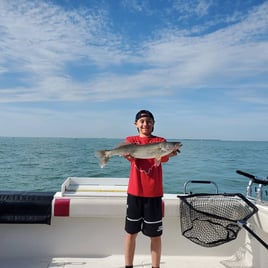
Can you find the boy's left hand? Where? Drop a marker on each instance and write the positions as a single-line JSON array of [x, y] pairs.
[[174, 153]]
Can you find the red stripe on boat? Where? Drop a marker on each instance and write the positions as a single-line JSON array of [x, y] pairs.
[[62, 207]]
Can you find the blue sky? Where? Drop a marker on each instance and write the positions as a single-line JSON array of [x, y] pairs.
[[84, 68]]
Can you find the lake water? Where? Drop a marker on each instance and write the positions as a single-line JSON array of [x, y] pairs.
[[42, 164]]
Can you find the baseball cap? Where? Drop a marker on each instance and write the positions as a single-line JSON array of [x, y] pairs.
[[143, 113]]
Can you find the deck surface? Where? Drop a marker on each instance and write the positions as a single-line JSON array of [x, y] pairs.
[[117, 261]]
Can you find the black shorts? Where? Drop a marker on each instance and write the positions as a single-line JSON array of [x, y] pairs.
[[144, 214]]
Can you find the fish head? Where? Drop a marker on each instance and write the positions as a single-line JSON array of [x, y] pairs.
[[171, 146], [177, 145]]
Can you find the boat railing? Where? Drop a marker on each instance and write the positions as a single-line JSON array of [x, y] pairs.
[[259, 191]]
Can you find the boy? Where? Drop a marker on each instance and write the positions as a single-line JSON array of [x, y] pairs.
[[145, 191]]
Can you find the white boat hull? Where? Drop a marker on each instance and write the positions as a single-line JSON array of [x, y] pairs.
[[90, 233]]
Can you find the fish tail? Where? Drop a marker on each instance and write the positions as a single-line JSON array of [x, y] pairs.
[[103, 157]]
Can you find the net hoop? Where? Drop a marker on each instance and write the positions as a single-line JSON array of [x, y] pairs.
[[212, 219]]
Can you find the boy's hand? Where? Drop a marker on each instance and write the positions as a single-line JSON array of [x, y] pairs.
[[174, 153], [128, 156]]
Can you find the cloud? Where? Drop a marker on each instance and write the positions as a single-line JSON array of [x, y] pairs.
[[192, 8], [42, 40], [46, 35]]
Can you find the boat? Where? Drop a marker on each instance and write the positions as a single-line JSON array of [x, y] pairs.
[[82, 226]]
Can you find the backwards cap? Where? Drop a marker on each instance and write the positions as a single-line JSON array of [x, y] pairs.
[[144, 113]]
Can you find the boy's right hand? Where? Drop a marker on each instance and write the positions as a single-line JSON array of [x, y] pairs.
[[128, 156]]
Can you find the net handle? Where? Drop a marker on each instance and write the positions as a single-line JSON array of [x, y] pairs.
[[244, 225]]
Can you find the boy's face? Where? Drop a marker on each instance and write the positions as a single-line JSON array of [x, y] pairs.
[[145, 126]]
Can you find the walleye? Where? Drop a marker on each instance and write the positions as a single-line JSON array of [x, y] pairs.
[[146, 151]]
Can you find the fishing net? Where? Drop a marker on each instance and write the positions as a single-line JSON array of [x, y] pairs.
[[210, 220]]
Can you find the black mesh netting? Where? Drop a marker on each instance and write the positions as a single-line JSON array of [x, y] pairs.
[[210, 220]]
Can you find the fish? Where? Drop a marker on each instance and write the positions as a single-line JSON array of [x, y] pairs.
[[147, 151]]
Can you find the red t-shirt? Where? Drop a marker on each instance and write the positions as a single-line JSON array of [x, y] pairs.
[[145, 176]]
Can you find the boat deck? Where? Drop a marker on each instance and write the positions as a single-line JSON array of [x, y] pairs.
[[117, 261]]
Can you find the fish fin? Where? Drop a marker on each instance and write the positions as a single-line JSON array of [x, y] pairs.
[[157, 160], [124, 143], [103, 158]]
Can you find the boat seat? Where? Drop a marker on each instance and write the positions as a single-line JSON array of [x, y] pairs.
[[25, 207]]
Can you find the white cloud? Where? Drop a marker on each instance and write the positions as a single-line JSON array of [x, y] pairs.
[[46, 47], [172, 62], [189, 8]]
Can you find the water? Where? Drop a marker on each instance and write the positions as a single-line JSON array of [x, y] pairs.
[[42, 164]]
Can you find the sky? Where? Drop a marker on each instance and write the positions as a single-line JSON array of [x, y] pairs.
[[71, 68]]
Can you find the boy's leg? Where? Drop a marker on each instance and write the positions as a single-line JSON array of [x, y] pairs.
[[152, 227], [156, 250], [130, 244], [132, 227]]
